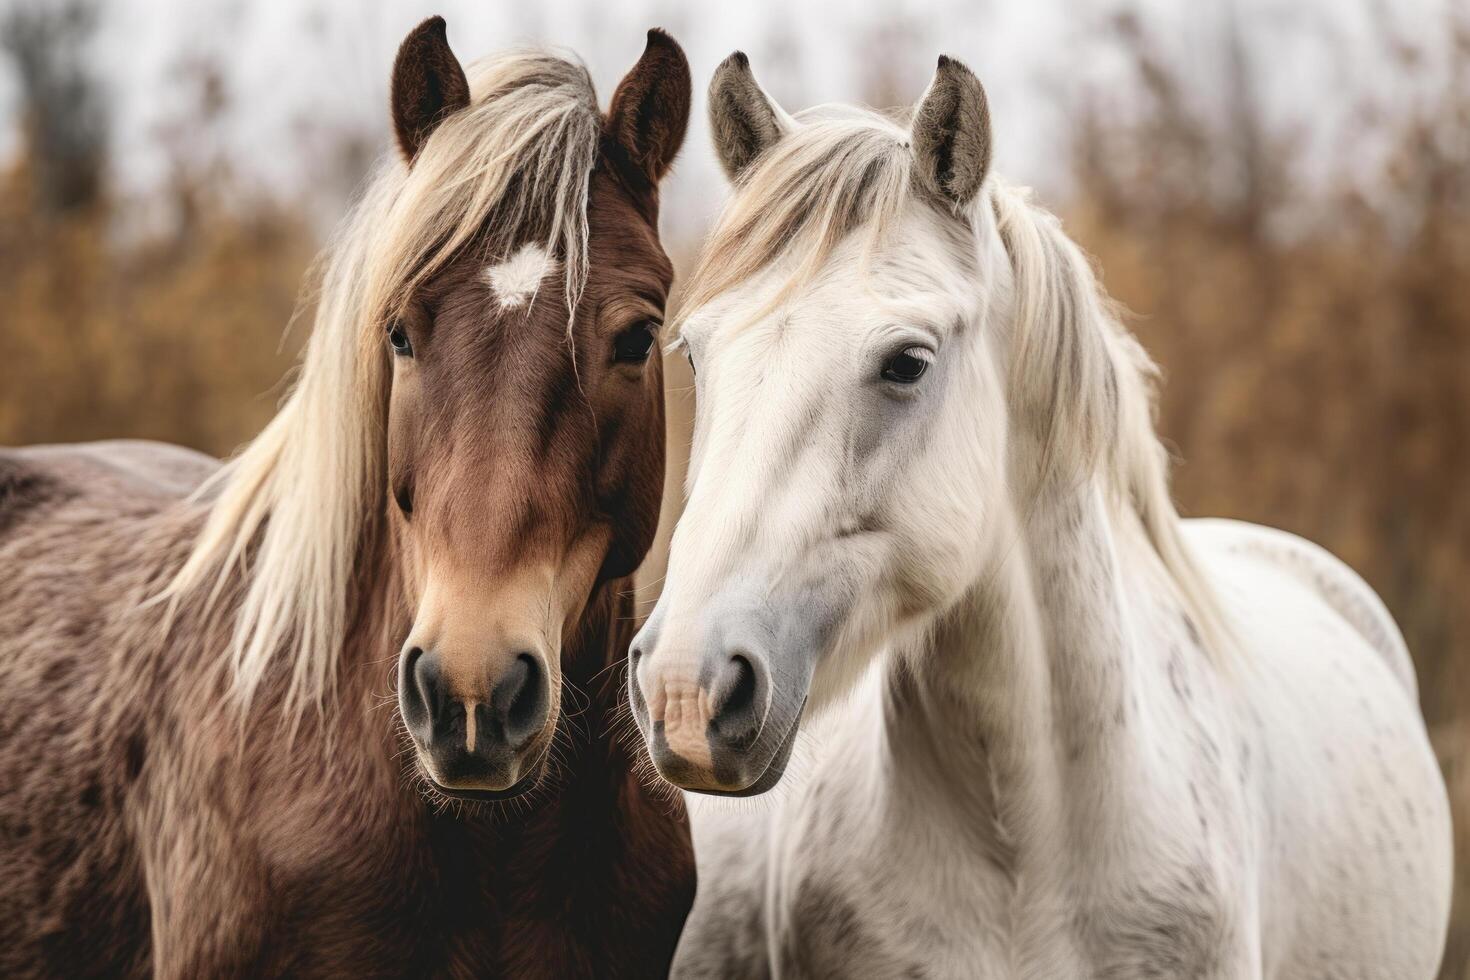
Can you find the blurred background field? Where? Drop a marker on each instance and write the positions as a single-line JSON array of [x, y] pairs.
[[1280, 192]]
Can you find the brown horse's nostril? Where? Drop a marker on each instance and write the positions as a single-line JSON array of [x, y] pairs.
[[520, 701], [420, 692], [734, 702]]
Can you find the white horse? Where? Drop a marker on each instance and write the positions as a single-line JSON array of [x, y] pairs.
[[1048, 728]]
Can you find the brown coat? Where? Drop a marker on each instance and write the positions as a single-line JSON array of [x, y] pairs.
[[138, 833]]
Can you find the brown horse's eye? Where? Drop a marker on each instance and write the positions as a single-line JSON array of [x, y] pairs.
[[403, 496], [632, 345], [398, 340]]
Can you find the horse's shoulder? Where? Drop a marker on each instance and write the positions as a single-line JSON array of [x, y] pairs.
[[1332, 579]]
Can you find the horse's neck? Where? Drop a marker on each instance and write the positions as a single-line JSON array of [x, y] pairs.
[[596, 648], [592, 680], [1028, 682], [378, 619]]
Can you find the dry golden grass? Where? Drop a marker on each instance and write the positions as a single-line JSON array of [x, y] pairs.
[[179, 340]]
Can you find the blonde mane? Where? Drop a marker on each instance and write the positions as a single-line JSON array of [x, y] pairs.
[[286, 515], [845, 171]]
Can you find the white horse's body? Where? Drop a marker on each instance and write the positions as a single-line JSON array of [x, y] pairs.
[[1287, 820], [1048, 730]]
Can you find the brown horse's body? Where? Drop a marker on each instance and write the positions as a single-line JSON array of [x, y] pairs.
[[485, 470], [137, 834]]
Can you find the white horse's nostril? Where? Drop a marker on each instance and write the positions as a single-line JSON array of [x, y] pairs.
[[635, 656]]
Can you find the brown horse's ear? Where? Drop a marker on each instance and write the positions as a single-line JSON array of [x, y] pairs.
[[428, 84], [744, 120], [650, 109], [951, 135]]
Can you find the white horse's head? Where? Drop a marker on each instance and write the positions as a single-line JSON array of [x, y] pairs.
[[879, 381]]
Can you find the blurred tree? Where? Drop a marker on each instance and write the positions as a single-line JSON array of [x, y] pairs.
[[64, 118]]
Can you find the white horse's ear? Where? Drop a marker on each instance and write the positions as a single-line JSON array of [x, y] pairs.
[[744, 120], [951, 135]]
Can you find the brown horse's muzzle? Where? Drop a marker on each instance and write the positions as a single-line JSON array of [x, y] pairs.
[[479, 682], [484, 742]]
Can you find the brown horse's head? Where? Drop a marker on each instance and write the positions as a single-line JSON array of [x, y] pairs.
[[525, 444]]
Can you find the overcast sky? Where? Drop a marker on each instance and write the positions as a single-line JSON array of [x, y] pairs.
[[300, 74]]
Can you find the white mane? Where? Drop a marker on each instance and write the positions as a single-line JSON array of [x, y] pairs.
[[285, 516]]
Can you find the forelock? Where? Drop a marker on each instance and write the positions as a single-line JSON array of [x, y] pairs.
[[842, 171]]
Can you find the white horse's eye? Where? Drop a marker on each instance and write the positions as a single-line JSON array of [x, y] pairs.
[[908, 365]]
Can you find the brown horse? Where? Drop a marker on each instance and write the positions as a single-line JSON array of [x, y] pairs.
[[200, 769]]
